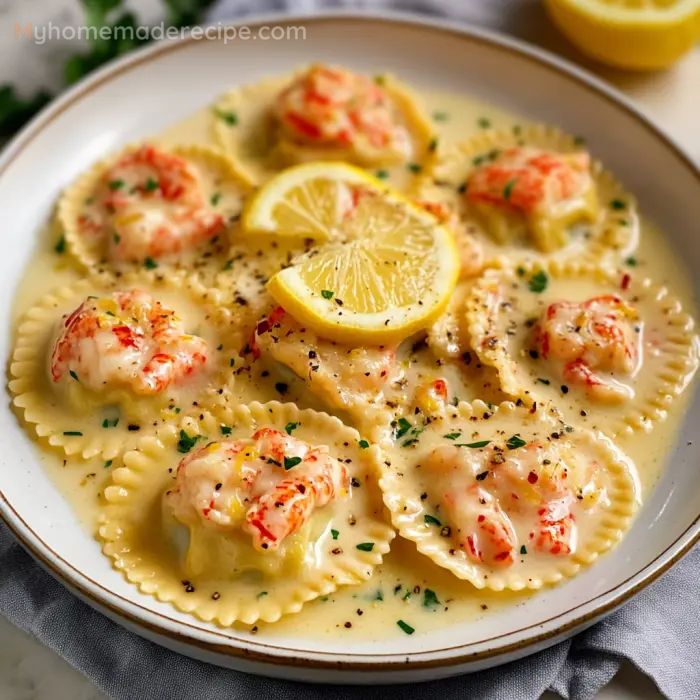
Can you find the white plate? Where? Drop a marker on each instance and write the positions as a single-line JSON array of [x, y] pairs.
[[152, 88]]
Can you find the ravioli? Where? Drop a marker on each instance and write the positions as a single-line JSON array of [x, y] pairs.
[[247, 515], [152, 206], [323, 113], [609, 349], [508, 497], [106, 360], [534, 192]]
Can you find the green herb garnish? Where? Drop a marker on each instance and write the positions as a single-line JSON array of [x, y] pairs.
[[60, 246], [187, 442], [365, 546], [290, 462], [150, 264], [327, 293], [290, 428], [430, 599], [515, 441], [475, 445], [538, 282], [405, 627], [363, 444], [335, 534], [431, 520], [231, 118]]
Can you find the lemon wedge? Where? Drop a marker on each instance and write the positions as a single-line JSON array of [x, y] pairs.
[[383, 268], [637, 34]]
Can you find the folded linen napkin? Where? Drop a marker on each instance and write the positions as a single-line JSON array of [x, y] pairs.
[[658, 631]]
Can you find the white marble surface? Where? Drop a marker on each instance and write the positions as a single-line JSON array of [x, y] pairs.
[[29, 671]]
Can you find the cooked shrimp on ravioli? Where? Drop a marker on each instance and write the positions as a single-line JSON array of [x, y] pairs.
[[127, 339], [268, 486], [335, 108], [544, 190]]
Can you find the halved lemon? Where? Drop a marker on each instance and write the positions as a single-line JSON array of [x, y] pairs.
[[383, 269], [638, 34]]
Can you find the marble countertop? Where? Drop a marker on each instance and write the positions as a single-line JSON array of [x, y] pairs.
[[29, 671]]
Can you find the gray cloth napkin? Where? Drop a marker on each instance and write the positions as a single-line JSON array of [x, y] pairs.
[[658, 631]]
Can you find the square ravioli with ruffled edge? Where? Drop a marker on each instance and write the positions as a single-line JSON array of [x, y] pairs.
[[325, 113], [152, 206], [508, 497], [609, 349], [102, 362], [532, 191], [247, 519]]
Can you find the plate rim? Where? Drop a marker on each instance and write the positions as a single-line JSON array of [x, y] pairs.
[[274, 654]]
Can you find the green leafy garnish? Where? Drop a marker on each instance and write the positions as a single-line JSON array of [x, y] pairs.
[[523, 549], [515, 441], [151, 185], [431, 520], [74, 375], [430, 599], [382, 174], [215, 198], [72, 432], [617, 204], [365, 546], [290, 428], [231, 118], [335, 534], [538, 282], [150, 264], [363, 444], [440, 116], [405, 627], [187, 442], [508, 189], [116, 184], [107, 464], [60, 246], [483, 123], [475, 445], [225, 429], [290, 462], [327, 293], [110, 422], [452, 436], [403, 427]]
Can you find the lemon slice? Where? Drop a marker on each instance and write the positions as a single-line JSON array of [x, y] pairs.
[[639, 34], [384, 267]]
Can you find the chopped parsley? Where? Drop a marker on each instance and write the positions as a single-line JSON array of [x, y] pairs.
[[363, 444], [187, 442], [483, 122], [290, 462], [215, 198], [327, 293], [544, 381], [151, 185], [225, 429], [415, 167], [617, 204], [515, 441], [431, 520], [290, 428], [60, 246], [403, 427], [262, 594], [72, 432], [150, 264], [335, 534], [508, 189], [405, 627], [116, 184], [452, 436], [476, 445], [523, 549], [231, 118], [382, 174], [74, 375], [430, 599], [440, 116], [432, 146], [110, 422], [116, 238], [631, 261], [365, 546], [538, 282], [107, 464]]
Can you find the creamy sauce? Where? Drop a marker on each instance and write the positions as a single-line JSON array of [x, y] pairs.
[[397, 590]]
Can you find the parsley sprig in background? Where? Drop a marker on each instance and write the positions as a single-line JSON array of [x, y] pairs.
[[16, 111]]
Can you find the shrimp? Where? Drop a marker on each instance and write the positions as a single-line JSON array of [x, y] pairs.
[[150, 204], [267, 485], [471, 254], [529, 179], [490, 493], [126, 339], [335, 108], [591, 338], [339, 374]]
